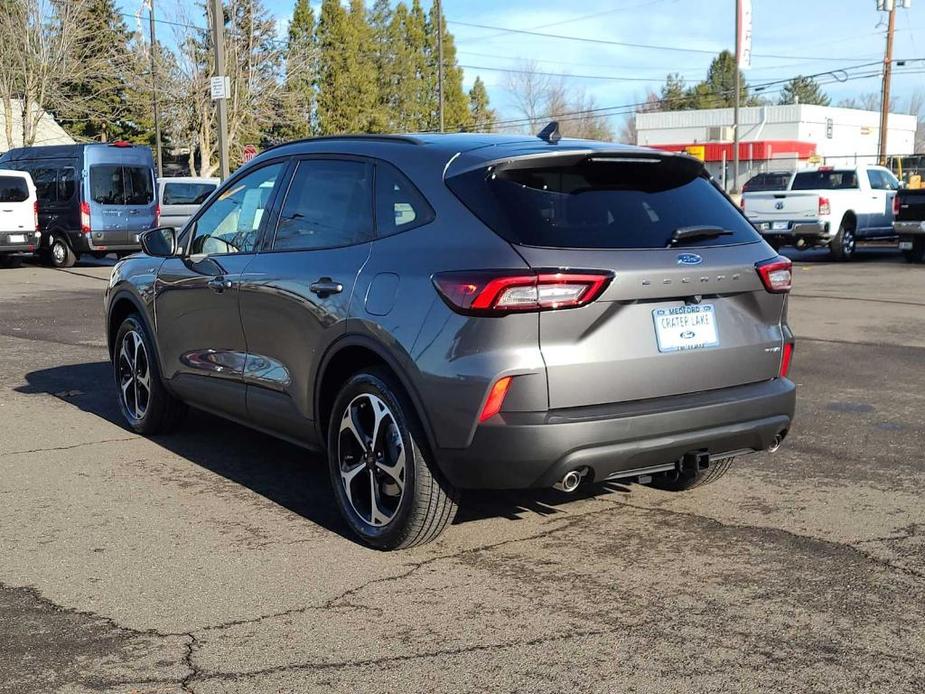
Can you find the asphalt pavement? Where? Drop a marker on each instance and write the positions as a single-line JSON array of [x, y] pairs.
[[213, 559]]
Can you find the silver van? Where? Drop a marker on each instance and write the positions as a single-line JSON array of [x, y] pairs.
[[181, 197]]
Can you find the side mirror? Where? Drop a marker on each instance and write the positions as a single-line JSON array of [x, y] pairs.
[[160, 242]]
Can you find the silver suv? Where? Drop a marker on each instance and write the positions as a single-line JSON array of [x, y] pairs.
[[444, 312]]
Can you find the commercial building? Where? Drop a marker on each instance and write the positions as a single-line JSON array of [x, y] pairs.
[[47, 130], [776, 138]]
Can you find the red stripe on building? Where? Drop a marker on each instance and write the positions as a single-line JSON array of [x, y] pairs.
[[748, 151]]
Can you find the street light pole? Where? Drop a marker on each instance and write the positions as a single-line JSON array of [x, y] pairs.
[[218, 39], [735, 111], [439, 13], [887, 76], [154, 88]]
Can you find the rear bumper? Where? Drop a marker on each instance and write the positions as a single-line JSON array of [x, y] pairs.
[[909, 228], [520, 450], [111, 241], [29, 243], [795, 230]]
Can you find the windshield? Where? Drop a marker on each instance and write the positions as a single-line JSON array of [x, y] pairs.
[[121, 185], [600, 203], [825, 180]]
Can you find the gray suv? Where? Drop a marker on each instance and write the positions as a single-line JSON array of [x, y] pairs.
[[446, 312]]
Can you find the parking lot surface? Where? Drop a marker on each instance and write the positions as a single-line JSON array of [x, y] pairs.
[[213, 559]]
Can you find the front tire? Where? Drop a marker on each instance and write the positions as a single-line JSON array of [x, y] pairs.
[[844, 244], [385, 482], [143, 400], [917, 254]]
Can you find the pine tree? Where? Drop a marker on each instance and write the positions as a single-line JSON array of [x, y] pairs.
[[803, 90], [455, 102], [480, 113], [673, 95], [297, 118], [346, 80], [424, 90], [95, 106]]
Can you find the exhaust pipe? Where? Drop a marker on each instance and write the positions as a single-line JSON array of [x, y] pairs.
[[776, 442], [569, 483]]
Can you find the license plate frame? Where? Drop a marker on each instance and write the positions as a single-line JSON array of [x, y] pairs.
[[780, 226], [16, 238], [905, 245], [685, 328]]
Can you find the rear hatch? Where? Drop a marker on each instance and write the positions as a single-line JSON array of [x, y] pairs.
[[911, 205], [679, 316], [17, 209], [122, 202]]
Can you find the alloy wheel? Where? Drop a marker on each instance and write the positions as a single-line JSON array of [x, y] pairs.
[[58, 251], [371, 458], [847, 242], [134, 375]]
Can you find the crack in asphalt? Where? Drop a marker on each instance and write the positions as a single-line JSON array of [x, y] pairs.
[[68, 448], [781, 531], [194, 673]]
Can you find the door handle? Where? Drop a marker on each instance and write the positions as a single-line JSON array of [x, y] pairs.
[[220, 284], [325, 287]]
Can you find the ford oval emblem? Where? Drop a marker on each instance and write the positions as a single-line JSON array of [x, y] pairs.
[[689, 259], [688, 335]]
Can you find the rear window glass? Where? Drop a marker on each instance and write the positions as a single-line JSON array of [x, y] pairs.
[[763, 182], [121, 185], [600, 203], [186, 193], [825, 180], [13, 189]]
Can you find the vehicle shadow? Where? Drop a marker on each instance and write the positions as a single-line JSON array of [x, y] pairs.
[[283, 473]]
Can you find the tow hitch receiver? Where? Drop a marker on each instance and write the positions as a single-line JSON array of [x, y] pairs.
[[694, 461]]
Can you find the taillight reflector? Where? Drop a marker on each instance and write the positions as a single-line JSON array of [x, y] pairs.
[[85, 217], [776, 274], [785, 359], [895, 205], [824, 207], [35, 214], [157, 216], [499, 292], [495, 398]]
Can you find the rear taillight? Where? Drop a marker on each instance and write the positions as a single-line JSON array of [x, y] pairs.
[[786, 358], [85, 217], [776, 274], [499, 292], [157, 216], [824, 207], [895, 205], [35, 214], [495, 398]]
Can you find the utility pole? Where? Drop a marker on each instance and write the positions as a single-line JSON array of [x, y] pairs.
[[735, 110], [439, 12], [154, 88], [889, 6], [219, 95]]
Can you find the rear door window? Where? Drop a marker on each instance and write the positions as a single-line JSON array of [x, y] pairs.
[[46, 184], [600, 203], [67, 178], [13, 189], [113, 184], [825, 180], [186, 193]]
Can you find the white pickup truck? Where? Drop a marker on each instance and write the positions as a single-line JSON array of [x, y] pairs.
[[826, 206]]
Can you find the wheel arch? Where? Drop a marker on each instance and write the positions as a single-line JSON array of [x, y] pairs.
[[122, 304], [345, 357], [852, 218]]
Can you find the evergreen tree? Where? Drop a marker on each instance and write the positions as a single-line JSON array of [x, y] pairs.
[[455, 102], [424, 90], [346, 79], [94, 106], [803, 90], [297, 118], [481, 114], [718, 90], [673, 96]]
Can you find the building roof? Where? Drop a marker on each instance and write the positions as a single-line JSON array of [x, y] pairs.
[[48, 132]]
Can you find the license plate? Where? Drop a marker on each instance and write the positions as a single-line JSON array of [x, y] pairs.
[[17, 238], [779, 226], [905, 245], [683, 328]]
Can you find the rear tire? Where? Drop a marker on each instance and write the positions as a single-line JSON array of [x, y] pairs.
[[60, 253], [844, 244], [917, 254], [681, 481], [386, 484], [143, 400]]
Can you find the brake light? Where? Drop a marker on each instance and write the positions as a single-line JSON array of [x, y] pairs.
[[826, 169], [824, 207], [499, 292], [895, 205], [776, 274], [35, 214], [85, 217], [157, 216], [785, 359], [495, 398], [121, 143]]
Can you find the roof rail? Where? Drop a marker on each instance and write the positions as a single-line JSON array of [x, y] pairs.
[[406, 139]]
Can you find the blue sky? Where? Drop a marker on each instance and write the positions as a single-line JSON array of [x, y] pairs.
[[789, 37]]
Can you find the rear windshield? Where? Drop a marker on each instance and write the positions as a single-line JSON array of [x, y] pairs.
[[186, 193], [763, 182], [13, 189], [600, 203], [121, 185], [825, 180]]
